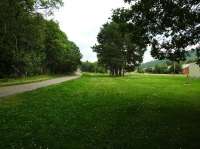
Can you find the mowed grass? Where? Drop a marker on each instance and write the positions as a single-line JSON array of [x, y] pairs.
[[100, 112]]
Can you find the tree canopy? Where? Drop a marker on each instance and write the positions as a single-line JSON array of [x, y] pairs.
[[62, 55], [170, 26], [117, 49]]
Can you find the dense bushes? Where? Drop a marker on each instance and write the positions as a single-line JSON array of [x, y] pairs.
[[31, 45]]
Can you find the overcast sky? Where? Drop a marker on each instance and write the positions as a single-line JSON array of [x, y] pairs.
[[81, 21]]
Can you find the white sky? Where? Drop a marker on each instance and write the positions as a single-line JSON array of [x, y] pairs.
[[81, 21]]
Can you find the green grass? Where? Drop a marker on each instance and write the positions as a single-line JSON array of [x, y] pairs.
[[99, 112], [24, 80]]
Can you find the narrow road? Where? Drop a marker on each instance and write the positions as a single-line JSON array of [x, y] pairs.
[[11, 90]]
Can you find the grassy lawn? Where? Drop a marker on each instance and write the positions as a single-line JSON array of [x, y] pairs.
[[24, 80], [99, 112]]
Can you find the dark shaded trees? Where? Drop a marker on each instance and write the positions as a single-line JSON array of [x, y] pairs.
[[109, 50], [62, 55], [24, 36], [21, 39]]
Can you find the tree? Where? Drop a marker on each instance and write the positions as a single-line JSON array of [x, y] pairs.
[[109, 50], [169, 25], [118, 50]]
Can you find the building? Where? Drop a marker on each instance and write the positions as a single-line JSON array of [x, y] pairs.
[[185, 69], [191, 70]]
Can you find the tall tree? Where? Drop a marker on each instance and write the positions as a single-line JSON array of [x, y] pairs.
[[109, 50], [118, 49]]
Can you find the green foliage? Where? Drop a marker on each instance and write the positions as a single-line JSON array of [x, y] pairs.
[[62, 55], [169, 25], [139, 111], [175, 68], [21, 38], [92, 67], [149, 70], [24, 40], [161, 69], [87, 67], [153, 63], [140, 70], [191, 58], [117, 49]]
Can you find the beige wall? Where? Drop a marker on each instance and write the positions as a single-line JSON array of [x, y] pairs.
[[194, 70]]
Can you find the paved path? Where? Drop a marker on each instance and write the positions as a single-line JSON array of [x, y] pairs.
[[11, 90]]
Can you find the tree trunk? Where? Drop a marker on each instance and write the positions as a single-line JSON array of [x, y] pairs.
[[120, 72], [123, 71], [174, 67], [112, 71]]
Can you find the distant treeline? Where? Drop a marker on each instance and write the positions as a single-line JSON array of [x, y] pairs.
[[163, 68], [92, 67], [167, 66], [31, 44], [191, 58]]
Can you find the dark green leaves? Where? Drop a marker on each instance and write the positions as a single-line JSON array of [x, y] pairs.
[[29, 43], [177, 20], [118, 49]]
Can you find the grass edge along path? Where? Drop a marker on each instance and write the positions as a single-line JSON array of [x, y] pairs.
[[25, 80], [16, 89]]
